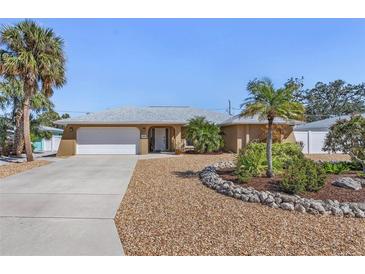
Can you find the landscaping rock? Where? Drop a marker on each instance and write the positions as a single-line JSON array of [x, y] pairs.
[[210, 178], [345, 209], [269, 200], [278, 200], [360, 214], [245, 197], [317, 206], [288, 198], [263, 196], [361, 206], [273, 205], [287, 206], [245, 191], [312, 211], [299, 208], [254, 198], [347, 182], [361, 181], [237, 196], [224, 165], [336, 211]]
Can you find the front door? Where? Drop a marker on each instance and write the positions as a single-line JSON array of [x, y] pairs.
[[160, 139]]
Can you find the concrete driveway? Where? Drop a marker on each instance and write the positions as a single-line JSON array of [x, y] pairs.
[[65, 208]]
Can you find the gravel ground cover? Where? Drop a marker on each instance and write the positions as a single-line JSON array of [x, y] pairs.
[[328, 157], [167, 211], [14, 168]]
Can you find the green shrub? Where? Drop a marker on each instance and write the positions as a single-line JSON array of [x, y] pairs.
[[206, 136], [336, 168], [341, 167], [251, 161], [303, 175]]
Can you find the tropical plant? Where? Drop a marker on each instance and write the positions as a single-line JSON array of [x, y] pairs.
[[5, 126], [269, 103], [12, 96], [205, 136], [35, 56], [348, 136], [336, 168], [252, 161], [303, 175]]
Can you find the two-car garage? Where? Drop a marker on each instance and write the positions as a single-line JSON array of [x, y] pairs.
[[107, 140]]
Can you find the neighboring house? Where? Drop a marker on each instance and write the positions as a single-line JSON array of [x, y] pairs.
[[312, 135], [48, 145], [141, 130]]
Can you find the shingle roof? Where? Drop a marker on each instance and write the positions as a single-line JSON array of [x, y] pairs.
[[238, 120], [146, 115], [51, 129], [321, 125]]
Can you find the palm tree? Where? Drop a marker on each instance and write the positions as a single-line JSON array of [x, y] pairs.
[[269, 103], [35, 56], [206, 136], [12, 96]]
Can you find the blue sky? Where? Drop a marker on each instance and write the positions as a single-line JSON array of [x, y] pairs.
[[198, 62]]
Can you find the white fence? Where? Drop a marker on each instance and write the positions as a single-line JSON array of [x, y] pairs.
[[52, 144], [313, 141]]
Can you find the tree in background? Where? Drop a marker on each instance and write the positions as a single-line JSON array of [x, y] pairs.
[[48, 118], [332, 99], [5, 127], [206, 136], [348, 136], [35, 56], [12, 96], [269, 103]]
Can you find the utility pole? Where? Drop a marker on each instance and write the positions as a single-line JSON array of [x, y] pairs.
[[229, 107]]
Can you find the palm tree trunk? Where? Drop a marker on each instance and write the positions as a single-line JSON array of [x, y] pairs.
[[269, 171], [28, 146], [19, 133]]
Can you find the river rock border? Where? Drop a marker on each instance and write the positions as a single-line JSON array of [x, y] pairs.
[[211, 178]]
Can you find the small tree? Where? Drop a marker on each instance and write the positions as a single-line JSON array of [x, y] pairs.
[[348, 136], [270, 103], [206, 136]]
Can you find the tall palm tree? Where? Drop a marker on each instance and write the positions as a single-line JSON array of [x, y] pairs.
[[269, 103], [34, 55]]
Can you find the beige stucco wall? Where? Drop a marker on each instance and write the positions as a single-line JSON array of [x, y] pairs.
[[68, 142], [230, 138], [237, 136]]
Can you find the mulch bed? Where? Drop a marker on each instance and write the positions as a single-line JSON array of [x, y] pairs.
[[168, 211], [14, 168], [327, 192]]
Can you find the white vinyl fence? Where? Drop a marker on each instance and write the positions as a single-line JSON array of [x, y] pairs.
[[52, 144], [313, 141]]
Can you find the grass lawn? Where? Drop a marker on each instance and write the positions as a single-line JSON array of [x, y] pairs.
[[14, 168], [167, 211]]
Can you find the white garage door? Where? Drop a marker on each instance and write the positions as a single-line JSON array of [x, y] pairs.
[[107, 140]]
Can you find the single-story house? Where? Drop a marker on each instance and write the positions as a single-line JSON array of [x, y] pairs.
[[312, 135], [141, 130], [48, 145]]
